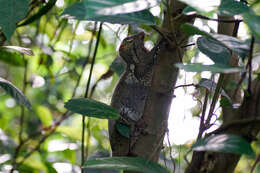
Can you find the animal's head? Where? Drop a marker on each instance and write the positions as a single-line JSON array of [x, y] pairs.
[[132, 48]]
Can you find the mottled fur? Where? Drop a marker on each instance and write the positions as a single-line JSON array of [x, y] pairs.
[[131, 92]]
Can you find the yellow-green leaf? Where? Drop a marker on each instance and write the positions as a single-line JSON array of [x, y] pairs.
[[45, 115]]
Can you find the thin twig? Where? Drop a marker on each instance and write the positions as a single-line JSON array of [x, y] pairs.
[[202, 118], [73, 36], [239, 83], [217, 20], [186, 159], [86, 95], [170, 148], [87, 58], [214, 100], [255, 163], [106, 75], [88, 137], [188, 45], [250, 57], [24, 91], [187, 85], [50, 132], [240, 123]]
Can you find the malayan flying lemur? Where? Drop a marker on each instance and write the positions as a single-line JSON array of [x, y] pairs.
[[131, 92]]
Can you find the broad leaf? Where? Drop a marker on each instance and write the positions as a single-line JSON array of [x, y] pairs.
[[211, 86], [215, 68], [12, 58], [232, 43], [129, 7], [90, 10], [11, 12], [15, 93], [252, 20], [22, 50], [45, 9], [45, 115], [91, 108], [188, 9], [218, 53], [126, 163], [123, 130], [193, 30], [202, 7], [232, 7], [237, 46], [224, 143]]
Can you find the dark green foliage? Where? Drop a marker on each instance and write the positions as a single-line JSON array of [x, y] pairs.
[[126, 163], [225, 143], [91, 108]]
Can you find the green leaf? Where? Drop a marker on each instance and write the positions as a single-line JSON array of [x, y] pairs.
[[215, 68], [126, 163], [91, 108], [118, 66], [232, 7], [187, 10], [232, 43], [224, 143], [202, 7], [23, 50], [70, 131], [15, 93], [252, 20], [193, 30], [123, 130], [211, 86], [45, 9], [45, 115], [237, 46], [12, 58], [218, 53], [224, 102], [128, 7], [11, 12], [89, 10]]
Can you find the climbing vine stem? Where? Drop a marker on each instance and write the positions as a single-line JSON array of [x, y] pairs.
[[86, 95]]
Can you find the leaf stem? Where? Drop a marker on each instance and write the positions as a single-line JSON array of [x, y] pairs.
[[250, 57], [214, 100], [202, 118], [86, 95]]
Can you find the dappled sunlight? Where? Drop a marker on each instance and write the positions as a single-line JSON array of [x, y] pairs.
[[128, 7]]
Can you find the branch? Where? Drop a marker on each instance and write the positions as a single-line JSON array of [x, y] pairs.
[[214, 100], [50, 132], [187, 85], [250, 57], [218, 20], [202, 124], [231, 124]]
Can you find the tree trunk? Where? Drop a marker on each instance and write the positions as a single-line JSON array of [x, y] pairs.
[[155, 115]]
